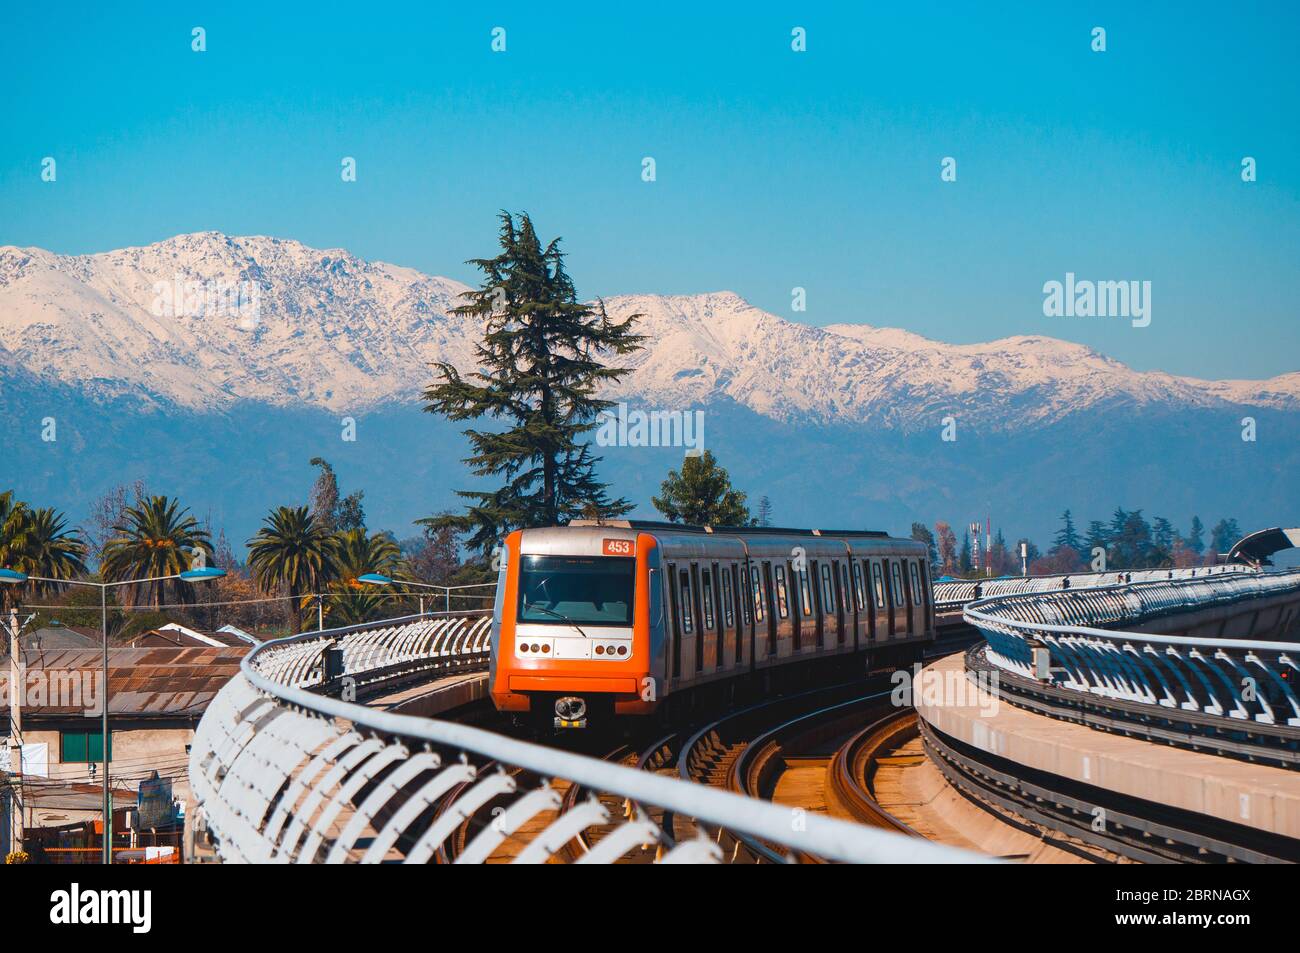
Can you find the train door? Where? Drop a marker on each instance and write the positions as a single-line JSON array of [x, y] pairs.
[[898, 600], [847, 614], [884, 601], [927, 596], [861, 601], [727, 618], [720, 632], [819, 607], [832, 610], [744, 614], [679, 597], [801, 599], [705, 647], [762, 578], [907, 568], [781, 604], [918, 606]]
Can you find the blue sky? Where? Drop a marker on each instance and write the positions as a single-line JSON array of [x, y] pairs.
[[775, 169]]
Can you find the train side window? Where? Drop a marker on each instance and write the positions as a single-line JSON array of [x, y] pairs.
[[828, 589], [727, 610], [757, 579], [897, 578], [859, 593], [879, 579], [782, 602], [688, 622], [916, 585], [805, 592], [706, 596]]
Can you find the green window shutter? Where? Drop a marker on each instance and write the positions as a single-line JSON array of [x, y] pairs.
[[72, 746]]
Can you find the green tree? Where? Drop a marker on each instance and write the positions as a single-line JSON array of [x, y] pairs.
[[36, 542], [964, 564], [701, 495], [1162, 542], [292, 551], [1098, 538], [1000, 557], [764, 511], [351, 515], [1196, 536], [947, 548], [1031, 551], [324, 497], [922, 534], [155, 538], [539, 368], [1131, 543], [332, 512], [14, 528], [1225, 533], [1067, 536], [53, 551], [357, 553]]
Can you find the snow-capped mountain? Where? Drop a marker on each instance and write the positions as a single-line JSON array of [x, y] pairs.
[[272, 321], [202, 399]]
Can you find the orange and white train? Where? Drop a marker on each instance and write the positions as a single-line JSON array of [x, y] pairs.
[[594, 621]]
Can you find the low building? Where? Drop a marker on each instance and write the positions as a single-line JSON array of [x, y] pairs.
[[155, 699]]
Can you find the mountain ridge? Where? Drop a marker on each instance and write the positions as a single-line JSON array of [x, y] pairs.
[[338, 332]]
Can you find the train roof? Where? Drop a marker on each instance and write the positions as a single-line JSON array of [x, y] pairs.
[[662, 526]]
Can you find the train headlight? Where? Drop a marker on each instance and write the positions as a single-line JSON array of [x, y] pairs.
[[570, 708]]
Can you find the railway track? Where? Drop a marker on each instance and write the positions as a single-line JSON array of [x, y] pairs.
[[851, 773], [573, 800], [750, 751]]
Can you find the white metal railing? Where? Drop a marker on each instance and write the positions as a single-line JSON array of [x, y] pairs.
[[1234, 678], [951, 595], [283, 774], [376, 651]]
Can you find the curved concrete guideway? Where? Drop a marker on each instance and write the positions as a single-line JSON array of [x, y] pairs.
[[1261, 797]]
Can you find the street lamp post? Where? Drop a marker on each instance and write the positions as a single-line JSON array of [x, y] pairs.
[[377, 579], [199, 574]]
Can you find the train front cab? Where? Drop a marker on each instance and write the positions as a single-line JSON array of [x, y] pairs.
[[578, 625]]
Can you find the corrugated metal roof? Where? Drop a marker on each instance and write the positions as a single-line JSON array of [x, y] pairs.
[[155, 681]]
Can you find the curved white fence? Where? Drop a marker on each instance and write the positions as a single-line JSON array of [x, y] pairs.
[[1057, 638], [950, 595], [373, 652], [284, 774]]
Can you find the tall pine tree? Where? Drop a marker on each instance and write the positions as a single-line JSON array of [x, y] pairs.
[[1067, 536], [1098, 538], [539, 369], [702, 495]]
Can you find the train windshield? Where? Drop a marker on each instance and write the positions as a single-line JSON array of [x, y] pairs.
[[581, 589]]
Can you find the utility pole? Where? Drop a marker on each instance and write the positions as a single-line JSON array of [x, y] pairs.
[[15, 735], [106, 739]]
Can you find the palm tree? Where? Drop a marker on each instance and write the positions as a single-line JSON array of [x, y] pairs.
[[36, 542], [155, 538], [294, 551], [53, 551], [15, 527], [355, 554]]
